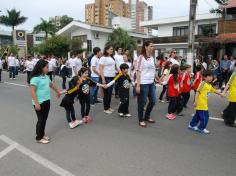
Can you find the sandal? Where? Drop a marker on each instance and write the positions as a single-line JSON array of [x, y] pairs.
[[150, 120], [143, 124]]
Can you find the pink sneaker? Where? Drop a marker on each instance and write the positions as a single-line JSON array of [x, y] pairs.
[[169, 116], [85, 119], [173, 116]]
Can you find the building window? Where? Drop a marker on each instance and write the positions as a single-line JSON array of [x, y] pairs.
[[180, 31], [207, 29], [39, 39]]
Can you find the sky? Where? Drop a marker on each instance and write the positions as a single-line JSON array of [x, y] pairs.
[[35, 9]]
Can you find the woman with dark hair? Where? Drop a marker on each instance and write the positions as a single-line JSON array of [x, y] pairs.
[[40, 86], [145, 87], [107, 69]]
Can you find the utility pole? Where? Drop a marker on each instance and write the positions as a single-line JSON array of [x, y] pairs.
[[191, 35]]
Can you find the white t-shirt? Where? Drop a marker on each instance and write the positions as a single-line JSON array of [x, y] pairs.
[[109, 66], [11, 61], [94, 63], [166, 74], [174, 61], [71, 62], [54, 61], [50, 65], [130, 66], [0, 64], [147, 69], [35, 60], [119, 60], [29, 65], [204, 64], [17, 63], [78, 64]]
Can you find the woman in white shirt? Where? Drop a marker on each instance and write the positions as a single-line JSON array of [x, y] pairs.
[[107, 69], [29, 64], [145, 87], [12, 66]]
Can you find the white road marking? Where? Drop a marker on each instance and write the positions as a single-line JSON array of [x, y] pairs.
[[44, 162], [21, 85], [7, 150], [218, 119]]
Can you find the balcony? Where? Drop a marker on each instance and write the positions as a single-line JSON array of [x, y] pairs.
[[227, 26]]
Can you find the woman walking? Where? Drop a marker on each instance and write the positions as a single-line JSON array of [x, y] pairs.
[[145, 86], [40, 86], [107, 69]]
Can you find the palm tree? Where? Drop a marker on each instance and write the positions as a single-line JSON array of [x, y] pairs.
[[45, 26], [13, 18]]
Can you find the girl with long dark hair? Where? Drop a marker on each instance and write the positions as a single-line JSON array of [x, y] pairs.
[[173, 93], [40, 86]]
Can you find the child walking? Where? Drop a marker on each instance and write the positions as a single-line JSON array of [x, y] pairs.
[[84, 93], [68, 102], [229, 113], [64, 73], [186, 85], [201, 116], [123, 82], [173, 93], [164, 78], [197, 78], [40, 86]]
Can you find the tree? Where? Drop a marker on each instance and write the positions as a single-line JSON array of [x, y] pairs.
[[120, 38], [12, 19], [45, 26], [65, 20], [56, 45], [220, 10]]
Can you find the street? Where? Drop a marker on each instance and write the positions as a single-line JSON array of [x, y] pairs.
[[110, 145]]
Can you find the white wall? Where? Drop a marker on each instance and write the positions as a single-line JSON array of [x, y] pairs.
[[167, 30], [122, 22]]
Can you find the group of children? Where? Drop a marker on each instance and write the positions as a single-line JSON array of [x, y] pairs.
[[178, 82]]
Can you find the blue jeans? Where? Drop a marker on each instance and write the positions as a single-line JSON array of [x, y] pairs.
[[202, 117], [12, 72], [94, 91], [146, 91]]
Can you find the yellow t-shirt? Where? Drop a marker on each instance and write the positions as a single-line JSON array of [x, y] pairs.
[[232, 88], [203, 90]]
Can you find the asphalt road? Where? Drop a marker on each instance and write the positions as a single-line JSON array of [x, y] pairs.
[[110, 145]]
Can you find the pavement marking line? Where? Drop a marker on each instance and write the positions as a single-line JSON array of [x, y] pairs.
[[39, 159], [21, 85], [7, 150], [218, 119]]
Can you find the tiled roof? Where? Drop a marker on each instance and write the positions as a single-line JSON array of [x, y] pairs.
[[231, 4], [226, 36]]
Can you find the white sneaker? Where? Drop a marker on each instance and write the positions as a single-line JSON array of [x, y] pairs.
[[43, 141], [10, 78], [108, 111], [205, 131], [192, 128], [112, 110], [78, 122], [121, 114], [14, 78], [72, 125], [128, 115]]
